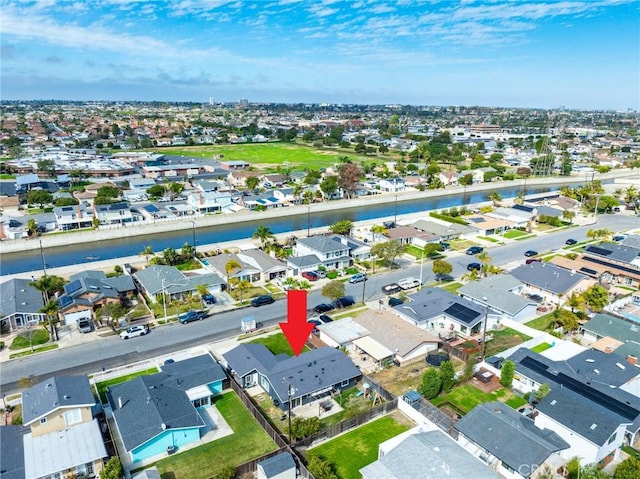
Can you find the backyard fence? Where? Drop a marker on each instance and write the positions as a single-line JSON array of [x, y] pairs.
[[457, 352], [436, 416]]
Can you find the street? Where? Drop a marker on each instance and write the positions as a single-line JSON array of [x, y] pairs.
[[112, 351]]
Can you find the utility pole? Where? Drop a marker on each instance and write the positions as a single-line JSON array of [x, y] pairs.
[[484, 327], [44, 265], [195, 252]]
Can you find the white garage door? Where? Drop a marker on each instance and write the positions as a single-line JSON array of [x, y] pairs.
[[73, 318]]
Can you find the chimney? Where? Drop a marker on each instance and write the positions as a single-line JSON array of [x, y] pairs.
[[79, 212], [119, 402], [201, 199], [632, 359]]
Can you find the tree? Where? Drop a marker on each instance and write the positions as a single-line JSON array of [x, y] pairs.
[[113, 468], [389, 251], [496, 198], [466, 180], [301, 427], [333, 290], [348, 176], [542, 391], [596, 297], [252, 182], [448, 375], [320, 468], [170, 256], [566, 319], [227, 472], [47, 166], [39, 197], [506, 374], [112, 312], [378, 230], [628, 469], [48, 285], [187, 251], [575, 301], [573, 468], [263, 233], [242, 287], [51, 309], [146, 252], [342, 227], [32, 227], [568, 215], [329, 185], [431, 383], [231, 266], [155, 191], [485, 259], [441, 268]]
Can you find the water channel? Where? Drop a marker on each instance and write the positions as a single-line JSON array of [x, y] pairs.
[[12, 263]]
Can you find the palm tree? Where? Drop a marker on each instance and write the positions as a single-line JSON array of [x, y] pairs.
[[575, 301], [495, 197], [242, 287], [146, 252], [567, 191], [202, 290], [264, 234], [51, 310], [32, 227], [231, 265], [485, 259], [568, 215], [48, 285], [519, 199], [377, 230], [473, 275], [297, 193], [631, 195], [170, 256]]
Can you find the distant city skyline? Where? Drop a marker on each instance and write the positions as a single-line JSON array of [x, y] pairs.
[[580, 54]]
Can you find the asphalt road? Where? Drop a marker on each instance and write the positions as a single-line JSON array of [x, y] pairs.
[[113, 352]]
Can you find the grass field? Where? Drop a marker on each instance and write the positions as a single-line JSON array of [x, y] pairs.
[[277, 344], [102, 386], [513, 234], [540, 347], [504, 339], [542, 323], [247, 442], [451, 287], [31, 337], [40, 349], [354, 450], [465, 397], [289, 155]]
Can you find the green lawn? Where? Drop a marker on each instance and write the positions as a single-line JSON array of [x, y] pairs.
[[491, 240], [465, 397], [541, 323], [277, 344], [525, 237], [504, 339], [513, 234], [354, 450], [515, 402], [247, 442], [28, 352], [31, 337], [451, 287], [102, 386], [280, 154], [540, 347]]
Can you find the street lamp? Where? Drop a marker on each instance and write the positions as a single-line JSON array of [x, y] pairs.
[[308, 219], [395, 215], [164, 300], [421, 263], [44, 269], [484, 328]]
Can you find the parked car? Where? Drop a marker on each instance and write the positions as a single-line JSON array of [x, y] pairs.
[[310, 275], [344, 302], [395, 302], [533, 260], [571, 241], [529, 253], [321, 273], [209, 299], [391, 288], [536, 297], [323, 308], [325, 318], [191, 316], [315, 322], [445, 245], [85, 326], [474, 266], [134, 331], [389, 224], [408, 283], [618, 238], [358, 278], [262, 300], [475, 250]]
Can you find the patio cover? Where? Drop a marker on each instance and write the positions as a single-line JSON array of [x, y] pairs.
[[373, 348]]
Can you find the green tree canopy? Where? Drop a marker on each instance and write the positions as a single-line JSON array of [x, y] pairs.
[[506, 374], [628, 469], [113, 468], [431, 383], [441, 267], [596, 297], [342, 227], [39, 197], [333, 290], [448, 375]]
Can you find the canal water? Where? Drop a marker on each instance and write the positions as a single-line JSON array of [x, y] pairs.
[[13, 263]]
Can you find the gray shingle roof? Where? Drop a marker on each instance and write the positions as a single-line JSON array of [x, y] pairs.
[[16, 296], [510, 436], [193, 372], [304, 261], [617, 328], [174, 280], [497, 298], [12, 451], [277, 464], [430, 302], [54, 393], [427, 455], [322, 244], [438, 229], [149, 406], [547, 277]]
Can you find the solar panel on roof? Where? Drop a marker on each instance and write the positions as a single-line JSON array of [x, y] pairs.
[[462, 313], [588, 270], [611, 265], [65, 301], [151, 208], [72, 287], [598, 250]]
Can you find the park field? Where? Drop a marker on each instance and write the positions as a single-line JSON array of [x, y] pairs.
[[265, 155]]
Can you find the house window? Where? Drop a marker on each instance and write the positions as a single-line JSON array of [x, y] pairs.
[[344, 383], [72, 417], [43, 420], [264, 383], [612, 438]]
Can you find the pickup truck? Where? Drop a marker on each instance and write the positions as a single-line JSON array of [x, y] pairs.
[[192, 315], [391, 288], [408, 283]]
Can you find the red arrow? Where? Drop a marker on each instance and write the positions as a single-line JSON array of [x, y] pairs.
[[296, 329]]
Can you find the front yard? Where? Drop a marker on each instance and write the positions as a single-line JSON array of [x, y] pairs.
[[277, 344], [354, 450], [247, 442]]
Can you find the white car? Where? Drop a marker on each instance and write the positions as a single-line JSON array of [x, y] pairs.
[[134, 331]]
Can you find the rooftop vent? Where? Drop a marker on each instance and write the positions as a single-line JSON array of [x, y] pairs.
[[621, 366]]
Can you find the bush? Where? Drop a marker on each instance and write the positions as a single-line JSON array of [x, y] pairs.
[[332, 274], [352, 270], [446, 217]]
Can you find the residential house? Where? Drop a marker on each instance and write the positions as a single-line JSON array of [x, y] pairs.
[[12, 451], [588, 404], [64, 435], [156, 280], [447, 231], [357, 249], [28, 182], [333, 254], [164, 412], [388, 332], [441, 312], [280, 466], [295, 380], [238, 179], [20, 304], [622, 263], [449, 178], [502, 293], [208, 186], [273, 181], [509, 442], [73, 217], [263, 200], [516, 218], [392, 185], [549, 280], [113, 214], [613, 334], [255, 266], [426, 455], [479, 173], [411, 235], [488, 225], [298, 177], [90, 290], [341, 334], [211, 202], [235, 165]]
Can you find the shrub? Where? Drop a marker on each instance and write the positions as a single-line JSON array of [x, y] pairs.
[[332, 274], [506, 374]]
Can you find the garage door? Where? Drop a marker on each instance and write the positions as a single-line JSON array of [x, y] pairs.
[[73, 318]]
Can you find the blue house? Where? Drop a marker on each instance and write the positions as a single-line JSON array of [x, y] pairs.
[[162, 412]]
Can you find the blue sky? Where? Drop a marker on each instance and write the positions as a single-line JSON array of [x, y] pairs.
[[576, 53]]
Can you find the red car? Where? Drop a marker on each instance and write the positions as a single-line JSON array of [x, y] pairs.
[[310, 275]]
